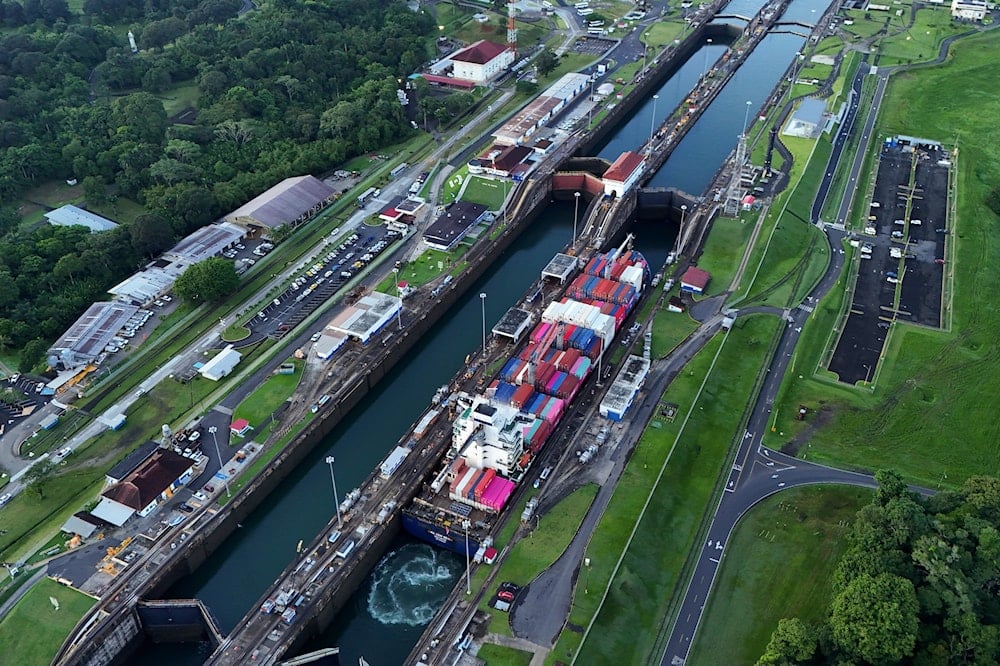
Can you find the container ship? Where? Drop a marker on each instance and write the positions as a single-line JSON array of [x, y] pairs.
[[499, 430]]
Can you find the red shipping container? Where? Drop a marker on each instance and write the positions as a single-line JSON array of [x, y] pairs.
[[541, 436], [481, 486], [522, 395]]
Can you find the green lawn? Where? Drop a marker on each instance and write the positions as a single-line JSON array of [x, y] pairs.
[[663, 33], [533, 554], [918, 43], [669, 330], [121, 210], [724, 248], [54, 193], [790, 253], [778, 563], [180, 97], [34, 629], [486, 191], [629, 622], [930, 416], [495, 655], [270, 395]]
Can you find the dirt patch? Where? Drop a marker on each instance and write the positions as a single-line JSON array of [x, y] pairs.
[[819, 419]]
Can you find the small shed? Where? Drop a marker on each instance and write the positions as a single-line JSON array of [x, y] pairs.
[[240, 427], [695, 280]]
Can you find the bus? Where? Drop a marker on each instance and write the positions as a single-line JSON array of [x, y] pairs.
[[582, 5], [595, 31], [367, 196], [398, 170], [585, 12], [595, 24]]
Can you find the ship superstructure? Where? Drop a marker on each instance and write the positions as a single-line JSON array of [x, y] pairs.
[[499, 431]]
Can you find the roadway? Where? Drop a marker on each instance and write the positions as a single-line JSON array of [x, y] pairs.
[[758, 471]]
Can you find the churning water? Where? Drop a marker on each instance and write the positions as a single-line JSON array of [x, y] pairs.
[[410, 584]]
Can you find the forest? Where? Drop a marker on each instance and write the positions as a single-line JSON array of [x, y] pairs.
[[919, 583], [288, 88]]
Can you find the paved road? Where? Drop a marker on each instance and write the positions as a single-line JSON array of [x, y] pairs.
[[759, 471], [543, 605]]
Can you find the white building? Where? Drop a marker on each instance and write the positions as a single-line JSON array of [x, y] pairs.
[[71, 216], [623, 174], [481, 62], [221, 365], [969, 10]]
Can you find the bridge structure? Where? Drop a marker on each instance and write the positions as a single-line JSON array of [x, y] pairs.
[[606, 217]]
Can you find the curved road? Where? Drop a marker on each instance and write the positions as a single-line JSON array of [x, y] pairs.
[[758, 471]]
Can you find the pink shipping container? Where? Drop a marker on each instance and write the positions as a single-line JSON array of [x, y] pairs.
[[539, 332], [498, 493], [553, 410]]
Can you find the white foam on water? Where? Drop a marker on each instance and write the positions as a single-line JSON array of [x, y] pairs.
[[410, 584]]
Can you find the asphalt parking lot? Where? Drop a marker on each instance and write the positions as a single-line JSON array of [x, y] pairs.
[[593, 45], [316, 282], [900, 273]]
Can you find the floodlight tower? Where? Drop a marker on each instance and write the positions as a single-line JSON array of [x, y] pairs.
[[511, 27]]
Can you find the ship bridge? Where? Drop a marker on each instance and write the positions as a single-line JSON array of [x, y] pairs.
[[514, 324], [561, 267]]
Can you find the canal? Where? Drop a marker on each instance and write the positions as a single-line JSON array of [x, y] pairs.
[[387, 615]]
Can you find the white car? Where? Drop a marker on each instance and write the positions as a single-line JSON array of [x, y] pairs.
[[5, 498]]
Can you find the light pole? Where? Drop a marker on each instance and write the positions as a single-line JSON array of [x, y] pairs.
[[482, 300], [704, 71], [225, 477], [746, 117], [576, 211], [652, 125], [399, 312], [336, 500], [680, 231], [468, 563]]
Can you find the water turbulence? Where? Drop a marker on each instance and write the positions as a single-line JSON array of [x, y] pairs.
[[410, 584]]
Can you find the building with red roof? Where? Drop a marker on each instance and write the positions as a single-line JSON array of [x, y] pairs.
[[623, 174], [146, 487], [695, 280], [481, 61]]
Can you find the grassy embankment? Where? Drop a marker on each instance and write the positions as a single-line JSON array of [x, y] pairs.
[[929, 416], [798, 533], [495, 655], [531, 554], [790, 253], [626, 593], [34, 629]]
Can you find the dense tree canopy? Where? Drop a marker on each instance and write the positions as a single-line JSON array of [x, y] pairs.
[[920, 581], [290, 88], [211, 280]]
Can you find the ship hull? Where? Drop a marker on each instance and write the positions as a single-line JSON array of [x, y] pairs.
[[439, 535]]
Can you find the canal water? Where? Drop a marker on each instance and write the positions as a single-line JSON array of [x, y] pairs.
[[386, 616]]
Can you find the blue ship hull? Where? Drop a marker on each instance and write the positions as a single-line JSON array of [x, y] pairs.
[[439, 535]]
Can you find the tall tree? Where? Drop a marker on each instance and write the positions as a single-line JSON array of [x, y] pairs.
[[211, 280], [875, 619]]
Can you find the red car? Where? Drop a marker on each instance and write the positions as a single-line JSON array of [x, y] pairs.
[[505, 595]]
